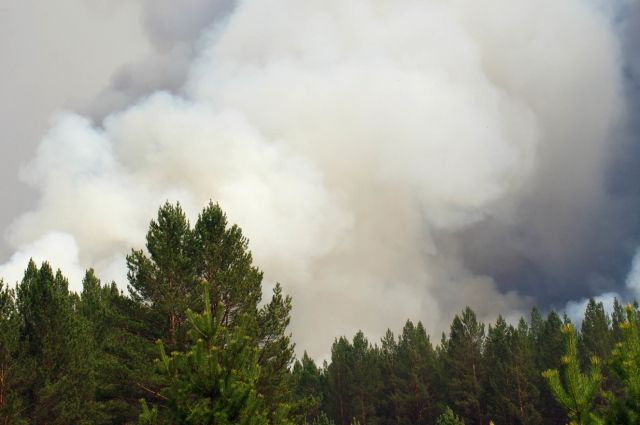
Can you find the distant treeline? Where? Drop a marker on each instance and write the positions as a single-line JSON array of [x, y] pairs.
[[193, 343]]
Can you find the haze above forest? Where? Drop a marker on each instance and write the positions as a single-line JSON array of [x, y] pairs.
[[387, 160]]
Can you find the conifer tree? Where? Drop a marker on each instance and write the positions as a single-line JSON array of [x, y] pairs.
[[221, 257], [595, 333], [577, 392], [9, 326], [618, 317], [123, 352], [214, 381], [366, 379], [509, 390], [352, 381], [462, 364], [549, 344], [497, 357], [164, 284], [276, 350], [624, 406], [389, 404], [165, 280], [524, 375], [414, 376], [308, 389], [57, 382]]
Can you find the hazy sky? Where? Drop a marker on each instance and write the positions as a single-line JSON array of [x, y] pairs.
[[54, 56], [387, 160]]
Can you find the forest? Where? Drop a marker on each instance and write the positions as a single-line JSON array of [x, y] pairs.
[[193, 342]]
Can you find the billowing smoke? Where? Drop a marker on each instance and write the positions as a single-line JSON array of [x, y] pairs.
[[387, 160]]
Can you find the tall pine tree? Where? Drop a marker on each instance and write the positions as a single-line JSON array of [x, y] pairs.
[[58, 381], [462, 362], [577, 392], [165, 283], [10, 399]]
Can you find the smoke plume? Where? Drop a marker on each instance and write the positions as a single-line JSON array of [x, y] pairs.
[[387, 160]]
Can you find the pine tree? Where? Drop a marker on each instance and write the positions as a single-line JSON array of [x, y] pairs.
[[414, 374], [548, 341], [214, 381], [595, 333], [365, 375], [165, 280], [352, 379], [308, 389], [222, 258], [624, 406], [10, 399], [509, 390], [497, 357], [462, 364], [389, 399], [57, 379], [164, 284], [123, 352], [276, 350], [524, 375], [617, 318], [579, 392]]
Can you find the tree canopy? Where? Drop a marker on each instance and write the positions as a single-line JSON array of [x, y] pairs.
[[194, 342]]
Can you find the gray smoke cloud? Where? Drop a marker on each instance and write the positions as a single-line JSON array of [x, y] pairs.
[[615, 235], [387, 160], [54, 56], [174, 31]]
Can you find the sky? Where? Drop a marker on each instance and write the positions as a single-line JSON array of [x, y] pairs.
[[386, 160]]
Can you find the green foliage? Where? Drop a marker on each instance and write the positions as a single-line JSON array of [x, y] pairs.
[[353, 380], [322, 419], [462, 361], [308, 384], [510, 392], [57, 371], [276, 351], [413, 374], [9, 326], [625, 362], [618, 317], [449, 418], [123, 351], [88, 358], [579, 392], [166, 282], [221, 257], [214, 380], [548, 344], [596, 338]]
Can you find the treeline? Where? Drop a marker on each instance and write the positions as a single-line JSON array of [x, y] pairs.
[[194, 343], [485, 375]]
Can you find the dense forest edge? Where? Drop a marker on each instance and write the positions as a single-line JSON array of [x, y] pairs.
[[193, 342]]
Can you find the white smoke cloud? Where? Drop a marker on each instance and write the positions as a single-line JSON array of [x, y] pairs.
[[58, 249], [54, 55], [576, 309], [352, 142]]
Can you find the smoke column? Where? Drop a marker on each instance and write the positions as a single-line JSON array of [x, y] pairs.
[[387, 160]]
